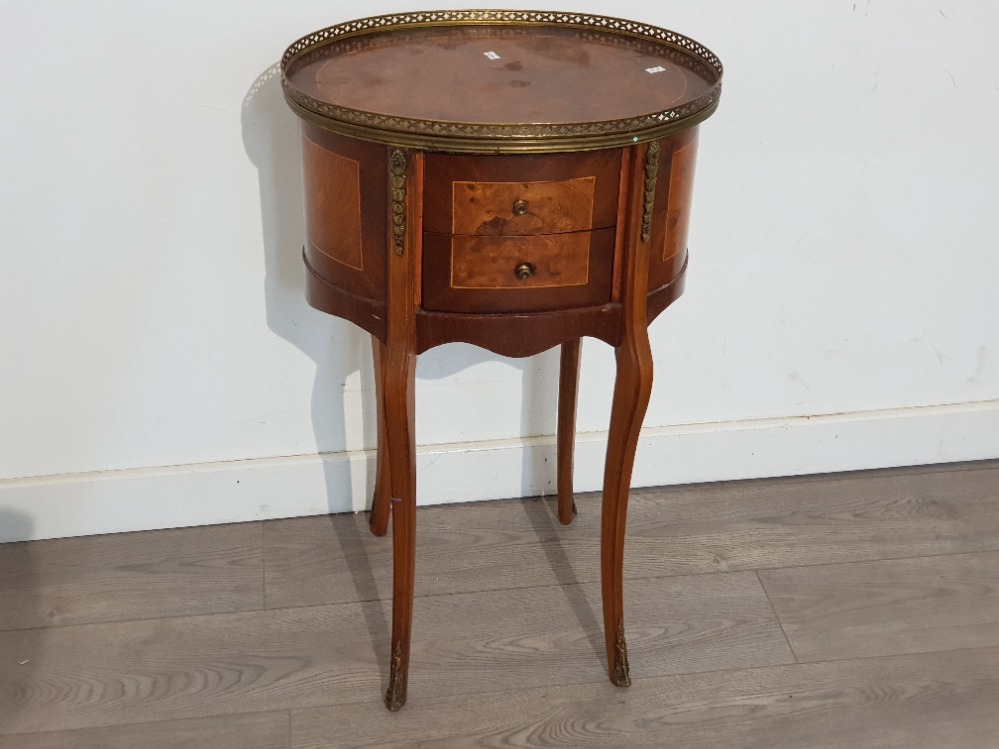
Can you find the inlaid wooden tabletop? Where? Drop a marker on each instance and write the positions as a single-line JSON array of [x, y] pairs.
[[501, 74], [487, 81]]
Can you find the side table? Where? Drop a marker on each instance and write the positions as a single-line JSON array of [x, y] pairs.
[[510, 179]]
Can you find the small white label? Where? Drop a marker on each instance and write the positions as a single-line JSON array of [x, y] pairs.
[[491, 55], [656, 69]]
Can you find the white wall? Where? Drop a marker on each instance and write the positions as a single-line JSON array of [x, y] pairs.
[[159, 367]]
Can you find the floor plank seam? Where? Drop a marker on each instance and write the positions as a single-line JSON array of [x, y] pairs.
[[165, 617], [444, 595], [600, 679], [595, 581], [636, 578], [874, 560], [872, 474], [639, 680], [164, 722], [263, 566], [306, 606], [780, 624], [910, 661], [904, 654]]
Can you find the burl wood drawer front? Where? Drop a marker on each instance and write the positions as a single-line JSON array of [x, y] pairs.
[[545, 262], [518, 208], [466, 273], [521, 194]]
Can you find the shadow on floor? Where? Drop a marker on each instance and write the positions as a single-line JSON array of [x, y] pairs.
[[342, 352]]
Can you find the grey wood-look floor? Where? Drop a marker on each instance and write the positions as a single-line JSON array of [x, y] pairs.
[[850, 610]]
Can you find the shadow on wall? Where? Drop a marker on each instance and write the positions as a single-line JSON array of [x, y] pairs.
[[339, 350], [15, 525], [19, 655], [271, 139]]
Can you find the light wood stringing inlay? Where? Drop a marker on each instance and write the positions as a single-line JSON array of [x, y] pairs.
[[481, 262], [333, 211], [681, 188]]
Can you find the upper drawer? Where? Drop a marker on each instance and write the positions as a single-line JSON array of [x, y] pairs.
[[510, 208], [521, 195]]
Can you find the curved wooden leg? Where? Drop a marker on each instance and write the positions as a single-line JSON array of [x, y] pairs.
[[398, 394], [398, 377], [632, 388], [631, 399], [568, 385], [380, 504]]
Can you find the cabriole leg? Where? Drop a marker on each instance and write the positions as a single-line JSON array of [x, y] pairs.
[[398, 394], [631, 399], [380, 504], [568, 385]]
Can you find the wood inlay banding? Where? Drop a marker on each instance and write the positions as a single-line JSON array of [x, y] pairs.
[[333, 211], [681, 189]]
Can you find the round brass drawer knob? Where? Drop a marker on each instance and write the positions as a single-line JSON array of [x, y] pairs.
[[524, 271], [520, 207]]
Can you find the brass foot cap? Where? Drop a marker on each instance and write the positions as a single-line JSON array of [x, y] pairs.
[[394, 701], [621, 679]]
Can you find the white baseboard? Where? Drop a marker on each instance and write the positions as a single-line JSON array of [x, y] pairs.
[[177, 496]]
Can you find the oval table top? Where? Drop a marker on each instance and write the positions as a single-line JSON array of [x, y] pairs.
[[501, 81]]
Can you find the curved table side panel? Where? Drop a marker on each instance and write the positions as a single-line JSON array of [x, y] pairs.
[[346, 204], [664, 296], [367, 314], [518, 335]]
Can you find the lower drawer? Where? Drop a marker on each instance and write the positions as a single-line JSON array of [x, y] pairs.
[[473, 273]]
